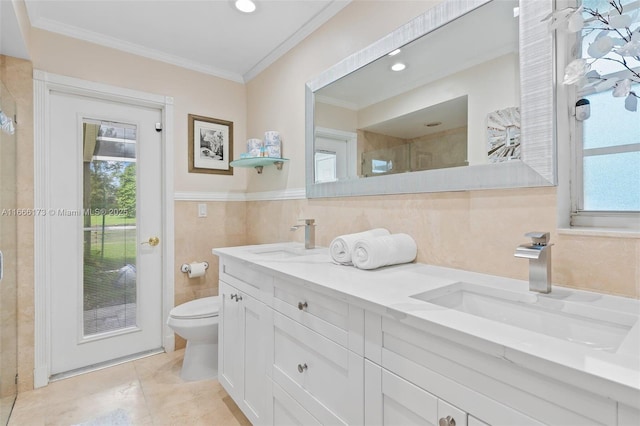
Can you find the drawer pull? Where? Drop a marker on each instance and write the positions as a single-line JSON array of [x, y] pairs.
[[447, 421], [302, 305], [303, 367]]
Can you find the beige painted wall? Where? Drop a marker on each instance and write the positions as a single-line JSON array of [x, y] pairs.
[[192, 92], [276, 96], [475, 230]]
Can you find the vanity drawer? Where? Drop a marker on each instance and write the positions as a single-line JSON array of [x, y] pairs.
[[286, 411], [324, 377], [245, 278], [496, 390], [332, 318]]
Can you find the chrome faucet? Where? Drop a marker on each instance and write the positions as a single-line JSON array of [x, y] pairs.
[[539, 255], [309, 232]]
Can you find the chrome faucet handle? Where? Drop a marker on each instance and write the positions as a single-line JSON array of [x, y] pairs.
[[309, 232], [539, 238]]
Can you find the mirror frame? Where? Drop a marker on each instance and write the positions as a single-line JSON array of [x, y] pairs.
[[538, 166]]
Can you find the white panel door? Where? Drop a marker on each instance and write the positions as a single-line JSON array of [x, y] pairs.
[[105, 207]]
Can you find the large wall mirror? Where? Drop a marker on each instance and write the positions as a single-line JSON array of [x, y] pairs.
[[471, 107]]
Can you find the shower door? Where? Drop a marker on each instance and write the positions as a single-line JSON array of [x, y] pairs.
[[8, 276], [105, 240]]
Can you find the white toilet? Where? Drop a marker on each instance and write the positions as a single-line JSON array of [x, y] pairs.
[[197, 322]]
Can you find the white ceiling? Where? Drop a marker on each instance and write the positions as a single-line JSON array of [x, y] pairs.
[[209, 36]]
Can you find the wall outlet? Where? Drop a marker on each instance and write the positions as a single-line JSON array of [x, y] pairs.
[[202, 210]]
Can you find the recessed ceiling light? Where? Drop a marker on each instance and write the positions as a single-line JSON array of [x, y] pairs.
[[433, 124], [246, 6], [398, 66], [395, 52]]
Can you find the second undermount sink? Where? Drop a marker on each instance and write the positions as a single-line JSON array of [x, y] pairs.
[[596, 328]]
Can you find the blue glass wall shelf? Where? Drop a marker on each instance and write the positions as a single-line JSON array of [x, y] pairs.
[[259, 162]]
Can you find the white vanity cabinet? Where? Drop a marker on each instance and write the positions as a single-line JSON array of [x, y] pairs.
[[420, 365], [392, 400], [310, 343], [243, 340], [288, 354], [287, 411], [628, 416], [318, 353]]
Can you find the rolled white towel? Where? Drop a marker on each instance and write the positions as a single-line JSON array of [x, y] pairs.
[[372, 253], [342, 246]]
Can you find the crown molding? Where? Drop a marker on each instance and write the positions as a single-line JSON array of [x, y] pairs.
[[135, 49], [305, 30]]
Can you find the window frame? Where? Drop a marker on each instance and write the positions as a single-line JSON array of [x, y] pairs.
[[569, 48]]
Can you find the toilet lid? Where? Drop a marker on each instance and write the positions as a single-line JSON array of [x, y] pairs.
[[198, 308]]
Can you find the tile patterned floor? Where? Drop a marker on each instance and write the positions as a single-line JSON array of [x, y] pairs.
[[144, 392]]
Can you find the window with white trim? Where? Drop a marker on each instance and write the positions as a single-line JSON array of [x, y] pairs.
[[605, 187]]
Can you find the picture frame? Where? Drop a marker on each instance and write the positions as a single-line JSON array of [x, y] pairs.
[[210, 145]]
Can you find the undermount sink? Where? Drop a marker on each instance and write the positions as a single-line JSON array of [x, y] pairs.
[[596, 328], [285, 252]]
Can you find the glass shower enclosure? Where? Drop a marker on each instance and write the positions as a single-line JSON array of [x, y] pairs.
[[8, 261]]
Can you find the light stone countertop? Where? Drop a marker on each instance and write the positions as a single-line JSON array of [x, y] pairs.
[[387, 291]]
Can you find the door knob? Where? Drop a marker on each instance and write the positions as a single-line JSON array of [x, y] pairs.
[[153, 241]]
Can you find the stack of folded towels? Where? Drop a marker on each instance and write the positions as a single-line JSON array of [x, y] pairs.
[[373, 249]]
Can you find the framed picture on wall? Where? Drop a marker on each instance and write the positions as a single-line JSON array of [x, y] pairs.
[[210, 145]]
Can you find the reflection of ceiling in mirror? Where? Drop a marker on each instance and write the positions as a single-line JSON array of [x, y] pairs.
[[459, 45], [451, 114]]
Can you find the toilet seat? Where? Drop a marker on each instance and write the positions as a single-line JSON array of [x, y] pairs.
[[205, 307]]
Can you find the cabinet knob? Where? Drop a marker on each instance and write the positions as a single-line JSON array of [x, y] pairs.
[[447, 421], [303, 367], [302, 305], [237, 297]]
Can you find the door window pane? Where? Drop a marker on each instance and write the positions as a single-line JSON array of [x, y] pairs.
[[109, 228]]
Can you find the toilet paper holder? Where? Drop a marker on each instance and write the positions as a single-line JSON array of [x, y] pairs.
[[186, 268]]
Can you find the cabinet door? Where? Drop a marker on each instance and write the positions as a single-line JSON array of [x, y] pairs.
[[243, 339], [253, 338], [287, 411], [472, 421], [628, 416], [391, 400], [229, 342]]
